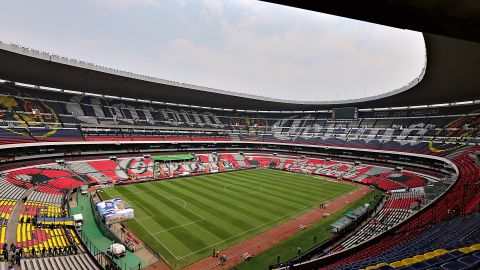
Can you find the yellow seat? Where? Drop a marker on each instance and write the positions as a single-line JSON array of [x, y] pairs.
[[74, 236], [409, 261], [29, 234], [420, 258], [476, 246], [397, 264], [430, 254], [371, 267], [24, 233], [440, 251], [2, 238], [49, 240], [466, 249], [60, 236], [55, 241], [19, 227]]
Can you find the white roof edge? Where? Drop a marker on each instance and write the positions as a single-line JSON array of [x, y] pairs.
[[19, 49]]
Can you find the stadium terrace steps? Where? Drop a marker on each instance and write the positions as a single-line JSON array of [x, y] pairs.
[[10, 191], [85, 168], [110, 169], [70, 262], [39, 196]]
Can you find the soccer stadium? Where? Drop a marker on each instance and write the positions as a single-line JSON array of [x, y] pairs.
[[102, 168]]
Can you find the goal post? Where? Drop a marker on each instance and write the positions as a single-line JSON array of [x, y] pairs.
[[163, 160]]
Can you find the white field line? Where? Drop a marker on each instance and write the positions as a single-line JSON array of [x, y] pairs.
[[168, 198], [139, 221], [241, 193], [145, 209], [278, 198], [259, 226], [224, 240], [165, 230], [172, 197], [179, 226], [158, 240]]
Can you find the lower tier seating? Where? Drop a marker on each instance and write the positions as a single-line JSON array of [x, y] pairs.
[[42, 197], [6, 208], [36, 238], [451, 204], [397, 207], [460, 234], [31, 209], [9, 190]]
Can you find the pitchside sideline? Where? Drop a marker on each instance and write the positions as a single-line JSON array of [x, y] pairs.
[[183, 220]]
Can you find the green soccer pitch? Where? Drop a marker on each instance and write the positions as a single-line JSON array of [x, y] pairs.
[[183, 220]]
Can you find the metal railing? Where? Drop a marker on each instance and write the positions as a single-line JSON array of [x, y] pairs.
[[106, 260]]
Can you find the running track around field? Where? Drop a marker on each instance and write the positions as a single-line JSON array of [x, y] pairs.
[[266, 240]]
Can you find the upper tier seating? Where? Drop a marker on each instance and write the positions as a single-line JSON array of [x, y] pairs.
[[31, 115]]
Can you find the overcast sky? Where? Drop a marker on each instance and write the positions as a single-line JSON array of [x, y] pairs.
[[238, 45]]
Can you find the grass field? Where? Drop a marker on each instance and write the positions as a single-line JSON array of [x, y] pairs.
[[184, 219], [304, 239]]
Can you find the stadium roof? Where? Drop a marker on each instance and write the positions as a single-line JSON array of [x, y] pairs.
[[458, 19], [451, 73]]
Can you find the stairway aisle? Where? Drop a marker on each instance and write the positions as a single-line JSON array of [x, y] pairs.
[[11, 236]]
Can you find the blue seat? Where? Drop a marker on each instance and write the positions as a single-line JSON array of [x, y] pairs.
[[407, 267], [434, 261], [385, 267], [471, 260], [454, 265], [476, 253], [456, 253], [420, 265], [450, 256]]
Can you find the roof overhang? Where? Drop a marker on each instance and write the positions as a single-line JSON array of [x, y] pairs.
[[451, 73]]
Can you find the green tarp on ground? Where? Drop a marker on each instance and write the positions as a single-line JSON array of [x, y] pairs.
[[97, 239], [173, 157]]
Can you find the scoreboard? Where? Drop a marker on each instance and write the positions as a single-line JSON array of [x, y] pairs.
[[345, 113]]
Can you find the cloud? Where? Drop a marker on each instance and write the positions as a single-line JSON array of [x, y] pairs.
[[125, 4], [322, 67], [215, 6], [247, 45]]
